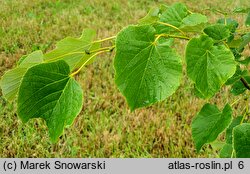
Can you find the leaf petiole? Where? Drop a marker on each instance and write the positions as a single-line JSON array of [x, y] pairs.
[[226, 44], [171, 36], [190, 12], [103, 40], [68, 54], [101, 49], [172, 26], [80, 52], [90, 58], [245, 83]]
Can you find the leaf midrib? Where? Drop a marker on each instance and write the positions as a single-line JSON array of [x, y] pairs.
[[149, 57], [23, 104]]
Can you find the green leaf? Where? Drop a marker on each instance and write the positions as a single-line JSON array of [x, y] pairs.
[[198, 93], [235, 43], [245, 41], [226, 151], [175, 14], [209, 123], [11, 80], [178, 16], [194, 23], [237, 75], [194, 19], [229, 132], [73, 50], [230, 23], [245, 62], [163, 8], [238, 87], [217, 145], [241, 140], [19, 62], [217, 31], [209, 65], [47, 91], [146, 71], [237, 53], [151, 17], [172, 15], [247, 22]]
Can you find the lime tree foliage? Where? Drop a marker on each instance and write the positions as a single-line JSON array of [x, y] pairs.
[[147, 70]]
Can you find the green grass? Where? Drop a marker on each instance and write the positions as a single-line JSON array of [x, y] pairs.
[[105, 127]]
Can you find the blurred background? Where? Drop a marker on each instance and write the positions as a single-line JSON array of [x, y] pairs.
[[105, 127]]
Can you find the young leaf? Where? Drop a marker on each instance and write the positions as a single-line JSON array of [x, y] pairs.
[[241, 140], [173, 15], [208, 65], [11, 80], [74, 50], [217, 31], [146, 71], [194, 23], [236, 121], [226, 151], [209, 123], [47, 91], [178, 16], [151, 17]]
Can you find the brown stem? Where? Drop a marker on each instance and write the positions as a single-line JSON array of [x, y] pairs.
[[245, 83]]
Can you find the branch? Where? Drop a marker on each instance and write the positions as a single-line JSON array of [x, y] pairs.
[[100, 49], [245, 83], [90, 58]]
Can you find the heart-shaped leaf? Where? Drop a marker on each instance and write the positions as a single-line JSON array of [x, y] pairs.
[[146, 71], [49, 92], [209, 65]]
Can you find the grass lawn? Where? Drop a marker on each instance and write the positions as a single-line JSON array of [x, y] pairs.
[[105, 127]]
